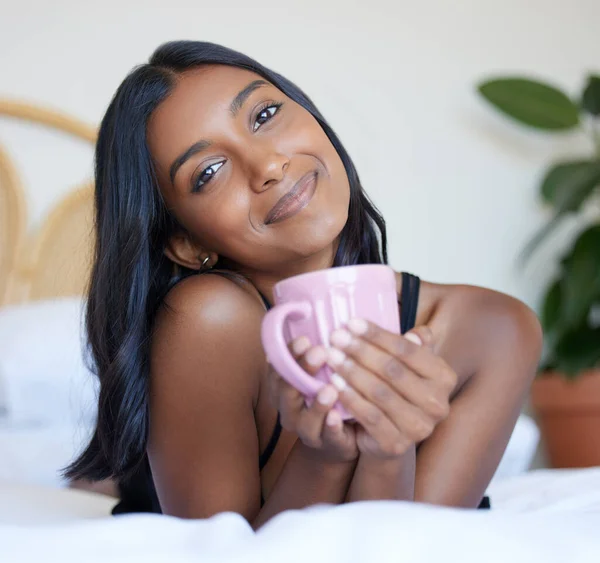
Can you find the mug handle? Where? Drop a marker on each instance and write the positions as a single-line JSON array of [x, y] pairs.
[[277, 350]]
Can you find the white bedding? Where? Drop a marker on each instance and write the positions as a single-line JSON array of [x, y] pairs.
[[43, 375], [549, 490], [35, 454], [541, 516]]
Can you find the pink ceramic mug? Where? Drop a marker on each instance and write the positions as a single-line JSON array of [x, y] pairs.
[[317, 303]]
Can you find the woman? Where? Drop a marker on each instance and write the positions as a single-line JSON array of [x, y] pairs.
[[207, 162]]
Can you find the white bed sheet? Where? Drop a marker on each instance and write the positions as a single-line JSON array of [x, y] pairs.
[[549, 490], [542, 516], [362, 532]]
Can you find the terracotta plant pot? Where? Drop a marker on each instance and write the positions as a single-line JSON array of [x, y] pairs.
[[568, 413]]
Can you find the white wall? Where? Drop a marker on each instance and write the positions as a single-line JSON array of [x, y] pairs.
[[457, 184]]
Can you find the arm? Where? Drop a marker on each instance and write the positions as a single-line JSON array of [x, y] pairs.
[[500, 345], [376, 479], [306, 480], [207, 362], [396, 407]]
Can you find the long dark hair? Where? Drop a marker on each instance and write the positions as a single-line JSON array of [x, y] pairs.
[[131, 274]]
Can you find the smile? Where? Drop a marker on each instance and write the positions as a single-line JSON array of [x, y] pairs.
[[295, 200]]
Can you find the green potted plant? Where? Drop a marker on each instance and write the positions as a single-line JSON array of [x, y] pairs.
[[566, 394]]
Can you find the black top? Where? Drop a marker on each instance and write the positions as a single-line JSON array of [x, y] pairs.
[[138, 493]]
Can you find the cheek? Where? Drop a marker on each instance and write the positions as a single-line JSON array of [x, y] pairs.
[[315, 141], [301, 134], [219, 223]]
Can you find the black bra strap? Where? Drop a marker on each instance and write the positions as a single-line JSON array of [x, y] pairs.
[[265, 456], [265, 300], [409, 300], [235, 276]]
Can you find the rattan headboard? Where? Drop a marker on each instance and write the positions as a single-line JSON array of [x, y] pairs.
[[54, 259]]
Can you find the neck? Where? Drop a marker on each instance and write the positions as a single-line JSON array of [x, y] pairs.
[[265, 280]]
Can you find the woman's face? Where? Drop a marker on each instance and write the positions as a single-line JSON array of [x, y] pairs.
[[247, 172]]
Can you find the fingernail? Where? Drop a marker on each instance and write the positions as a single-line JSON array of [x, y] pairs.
[[300, 345], [341, 338], [336, 357], [357, 326], [333, 419], [338, 381], [413, 338], [315, 356], [327, 396]]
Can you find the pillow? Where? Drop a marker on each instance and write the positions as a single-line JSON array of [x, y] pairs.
[[27, 505], [43, 377], [36, 454]]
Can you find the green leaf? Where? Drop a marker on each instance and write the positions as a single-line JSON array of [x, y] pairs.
[[551, 309], [582, 277], [577, 351], [590, 101], [567, 185], [532, 103], [540, 236]]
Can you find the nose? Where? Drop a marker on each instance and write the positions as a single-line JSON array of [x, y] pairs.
[[268, 167]]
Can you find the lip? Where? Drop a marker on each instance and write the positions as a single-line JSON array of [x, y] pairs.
[[294, 200]]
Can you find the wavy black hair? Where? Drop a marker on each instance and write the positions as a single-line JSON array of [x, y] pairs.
[[131, 274]]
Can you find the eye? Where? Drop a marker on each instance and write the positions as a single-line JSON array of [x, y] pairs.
[[265, 114], [206, 175]]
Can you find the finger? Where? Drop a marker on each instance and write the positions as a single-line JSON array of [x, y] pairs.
[[420, 359], [274, 381], [373, 420], [393, 343], [409, 419], [333, 423], [312, 358], [291, 403], [367, 444], [335, 431], [422, 336], [299, 346], [311, 419], [423, 393]]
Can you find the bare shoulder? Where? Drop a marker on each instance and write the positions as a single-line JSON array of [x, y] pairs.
[[472, 323], [473, 303], [212, 299], [210, 316], [206, 364]]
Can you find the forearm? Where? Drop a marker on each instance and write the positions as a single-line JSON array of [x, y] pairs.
[[384, 479], [306, 480]]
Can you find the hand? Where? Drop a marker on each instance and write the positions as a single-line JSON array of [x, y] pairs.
[[395, 386], [318, 426]]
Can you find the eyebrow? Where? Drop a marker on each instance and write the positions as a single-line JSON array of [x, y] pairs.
[[234, 108], [244, 94]]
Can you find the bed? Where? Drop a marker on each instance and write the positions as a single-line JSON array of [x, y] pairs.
[[47, 410]]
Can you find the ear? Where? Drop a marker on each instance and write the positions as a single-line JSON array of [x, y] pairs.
[[182, 250]]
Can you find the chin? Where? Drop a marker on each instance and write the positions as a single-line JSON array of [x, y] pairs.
[[319, 234]]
